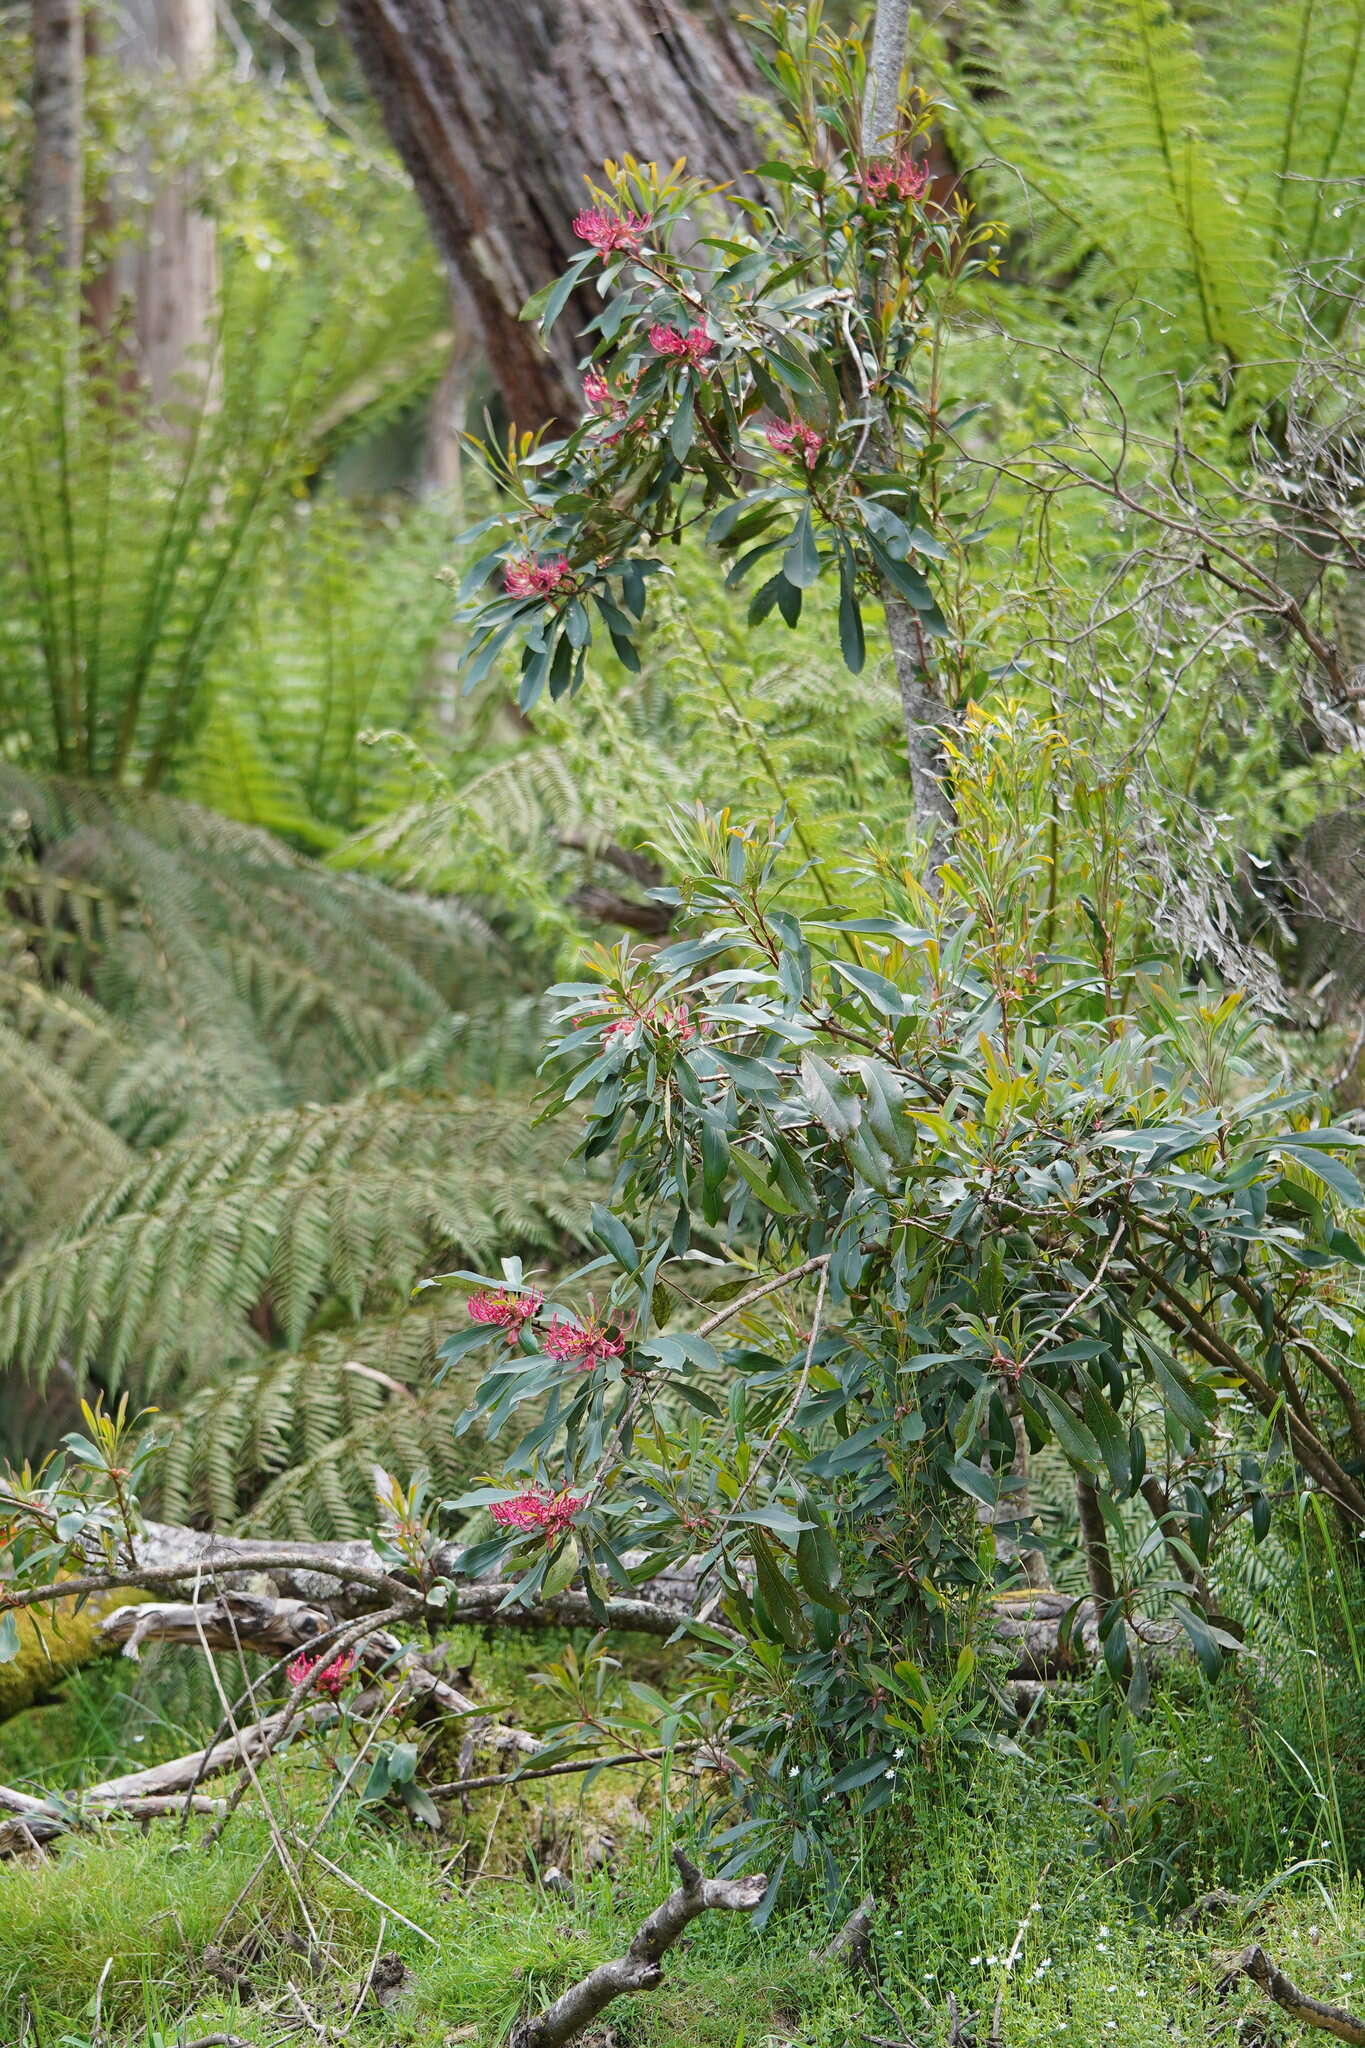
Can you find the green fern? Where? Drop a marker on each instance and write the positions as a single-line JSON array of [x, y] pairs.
[[1178, 177], [232, 1134], [287, 1444]]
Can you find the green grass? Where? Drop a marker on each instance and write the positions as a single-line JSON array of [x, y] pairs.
[[1004, 1861], [1054, 1880], [153, 1905]]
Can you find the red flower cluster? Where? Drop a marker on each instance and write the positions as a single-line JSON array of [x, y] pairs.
[[899, 177], [608, 405], [538, 1508], [794, 437], [507, 1310], [693, 347], [330, 1679], [609, 232], [526, 577], [586, 1344]]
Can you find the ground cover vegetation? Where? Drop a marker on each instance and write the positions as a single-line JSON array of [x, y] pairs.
[[679, 1183]]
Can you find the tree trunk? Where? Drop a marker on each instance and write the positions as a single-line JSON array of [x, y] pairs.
[[501, 108], [56, 179], [170, 271]]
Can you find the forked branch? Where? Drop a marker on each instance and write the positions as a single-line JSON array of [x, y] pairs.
[[639, 1969]]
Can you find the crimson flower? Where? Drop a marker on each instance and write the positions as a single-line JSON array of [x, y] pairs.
[[899, 177], [793, 437], [526, 577], [608, 232], [693, 347], [507, 1310], [330, 1679], [586, 1344], [538, 1508]]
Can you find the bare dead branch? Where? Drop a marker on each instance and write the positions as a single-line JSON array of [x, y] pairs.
[[640, 1968], [571, 1768], [849, 1945], [1311, 2012]]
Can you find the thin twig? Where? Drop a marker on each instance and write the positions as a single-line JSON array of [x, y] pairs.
[[743, 1301], [561, 1770]]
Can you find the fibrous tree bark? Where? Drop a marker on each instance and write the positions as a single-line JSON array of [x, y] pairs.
[[56, 188], [500, 109]]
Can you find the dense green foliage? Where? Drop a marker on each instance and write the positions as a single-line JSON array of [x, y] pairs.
[[964, 1229]]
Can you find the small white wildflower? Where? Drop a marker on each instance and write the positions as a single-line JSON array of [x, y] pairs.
[[898, 1753], [974, 1963], [1103, 1928], [795, 1771], [1142, 1993], [1347, 1975], [1036, 1907], [1312, 1934], [892, 1772], [1102, 1948], [929, 1976], [1325, 1845], [1208, 1759]]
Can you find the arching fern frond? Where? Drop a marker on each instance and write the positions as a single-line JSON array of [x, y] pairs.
[[234, 973], [267, 1219], [286, 1445]]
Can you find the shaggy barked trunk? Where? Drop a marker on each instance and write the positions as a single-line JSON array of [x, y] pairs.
[[500, 109]]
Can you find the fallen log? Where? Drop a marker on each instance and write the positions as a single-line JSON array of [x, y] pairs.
[[639, 1969], [35, 1822], [1049, 1635], [283, 1594]]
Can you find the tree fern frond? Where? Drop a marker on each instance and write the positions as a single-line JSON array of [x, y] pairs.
[[52, 1146], [286, 1445], [1136, 165], [276, 1215]]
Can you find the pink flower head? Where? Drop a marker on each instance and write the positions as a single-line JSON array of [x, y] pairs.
[[607, 404], [538, 1509], [898, 177], [620, 1028], [330, 1679], [609, 232], [586, 1344], [526, 577], [507, 1310], [692, 348], [794, 437], [677, 1023]]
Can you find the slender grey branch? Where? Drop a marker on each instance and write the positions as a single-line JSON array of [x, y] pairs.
[[881, 99]]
